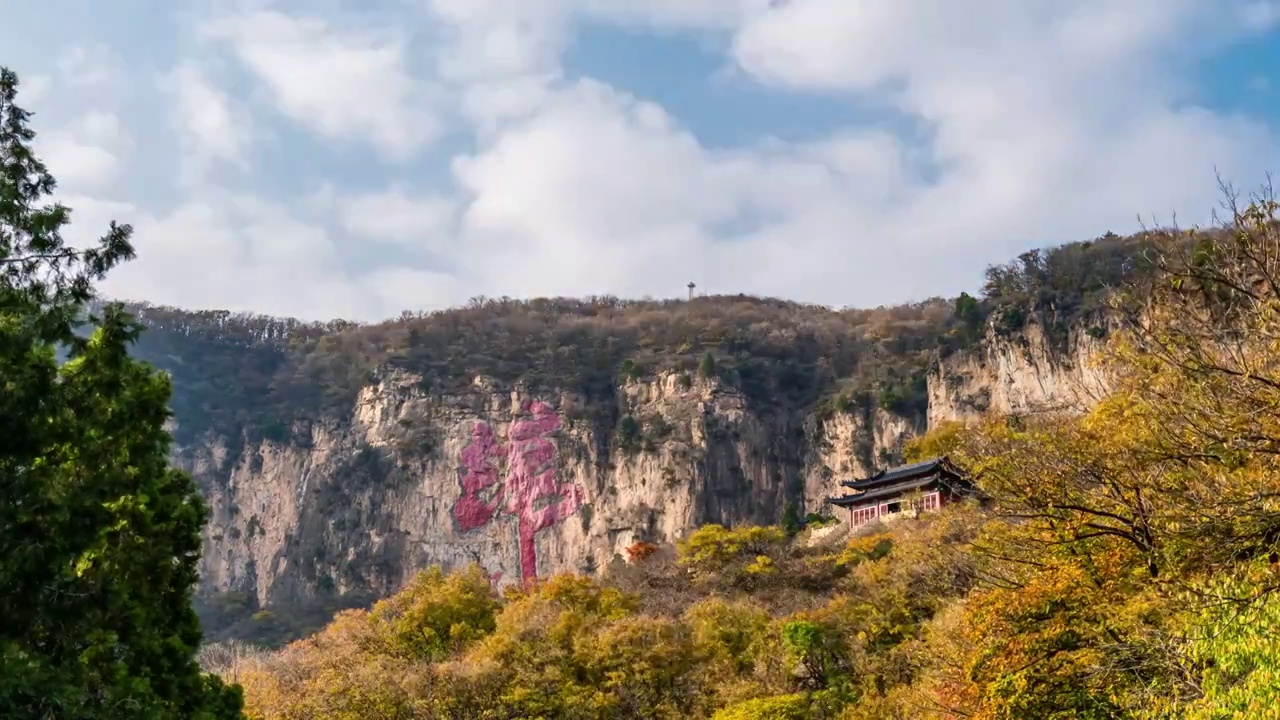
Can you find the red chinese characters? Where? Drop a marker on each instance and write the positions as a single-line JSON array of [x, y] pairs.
[[530, 491]]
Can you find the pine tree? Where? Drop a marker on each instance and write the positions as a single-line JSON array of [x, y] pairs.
[[707, 368], [99, 536]]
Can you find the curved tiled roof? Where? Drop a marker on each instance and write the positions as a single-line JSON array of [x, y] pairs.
[[900, 474], [880, 494]]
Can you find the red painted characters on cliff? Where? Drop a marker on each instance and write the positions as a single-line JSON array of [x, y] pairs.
[[531, 490]]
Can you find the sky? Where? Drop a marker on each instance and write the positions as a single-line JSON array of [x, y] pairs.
[[334, 158]]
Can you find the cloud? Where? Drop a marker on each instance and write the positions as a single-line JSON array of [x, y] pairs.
[[568, 197], [274, 260], [399, 217], [600, 194], [997, 125], [92, 65], [344, 84], [85, 155], [212, 127]]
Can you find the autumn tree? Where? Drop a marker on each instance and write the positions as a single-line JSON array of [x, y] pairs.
[[99, 536], [1101, 586]]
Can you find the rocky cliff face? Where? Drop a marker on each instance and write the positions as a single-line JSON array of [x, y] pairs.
[[532, 484], [522, 484], [1029, 372]]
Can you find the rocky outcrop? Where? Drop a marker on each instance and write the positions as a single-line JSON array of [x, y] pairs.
[[532, 484], [524, 485], [1026, 373]]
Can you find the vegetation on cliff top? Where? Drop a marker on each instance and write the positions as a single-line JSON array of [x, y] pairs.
[[240, 373], [1124, 566]]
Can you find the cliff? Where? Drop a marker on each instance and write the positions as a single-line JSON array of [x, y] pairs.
[[550, 435], [511, 480], [347, 507], [1022, 374]]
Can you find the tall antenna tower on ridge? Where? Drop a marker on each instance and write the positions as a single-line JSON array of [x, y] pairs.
[[691, 287]]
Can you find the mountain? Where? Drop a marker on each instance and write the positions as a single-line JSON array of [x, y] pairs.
[[548, 435]]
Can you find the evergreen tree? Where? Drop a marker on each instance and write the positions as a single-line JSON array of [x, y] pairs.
[[99, 536], [707, 368]]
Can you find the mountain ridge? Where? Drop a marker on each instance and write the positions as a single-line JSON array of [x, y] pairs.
[[340, 458]]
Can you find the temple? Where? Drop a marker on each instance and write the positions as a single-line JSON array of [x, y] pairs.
[[907, 490]]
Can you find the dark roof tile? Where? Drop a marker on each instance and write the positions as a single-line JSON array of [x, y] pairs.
[[905, 472], [881, 493]]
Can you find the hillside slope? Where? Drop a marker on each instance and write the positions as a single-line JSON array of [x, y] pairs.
[[548, 435]]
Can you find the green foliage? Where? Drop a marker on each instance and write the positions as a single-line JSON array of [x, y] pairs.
[[810, 645], [707, 367], [1061, 286], [99, 536], [629, 370], [1235, 647], [905, 396], [791, 522], [972, 317], [816, 520], [629, 434]]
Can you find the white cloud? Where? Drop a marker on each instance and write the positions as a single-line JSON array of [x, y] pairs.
[[34, 90], [89, 66], [210, 125], [85, 155], [1033, 122], [602, 193], [594, 193], [239, 254], [485, 39], [596, 190], [344, 84], [78, 165], [399, 217]]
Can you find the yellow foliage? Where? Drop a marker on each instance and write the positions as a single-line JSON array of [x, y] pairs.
[[781, 707], [942, 440], [712, 548], [436, 615], [762, 565]]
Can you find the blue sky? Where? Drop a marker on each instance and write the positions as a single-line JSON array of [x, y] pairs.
[[334, 158]]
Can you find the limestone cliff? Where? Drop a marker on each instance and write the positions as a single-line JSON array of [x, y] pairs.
[[547, 436], [1024, 373], [522, 484], [528, 484]]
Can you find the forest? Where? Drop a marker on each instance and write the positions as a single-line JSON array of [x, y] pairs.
[[1117, 564]]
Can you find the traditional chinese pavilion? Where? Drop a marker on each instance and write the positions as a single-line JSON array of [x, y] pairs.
[[910, 489]]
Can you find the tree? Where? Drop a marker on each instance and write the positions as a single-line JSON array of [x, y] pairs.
[[707, 368], [778, 707], [436, 614], [99, 536]]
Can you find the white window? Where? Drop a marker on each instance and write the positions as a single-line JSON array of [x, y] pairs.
[[862, 516]]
